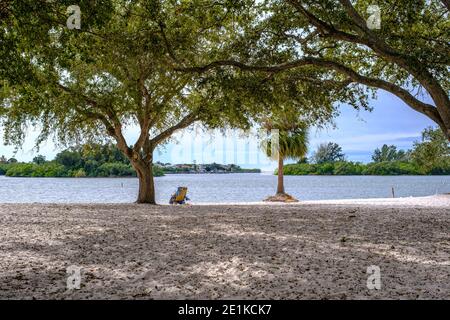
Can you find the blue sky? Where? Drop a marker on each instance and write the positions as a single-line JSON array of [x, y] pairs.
[[390, 122], [358, 132]]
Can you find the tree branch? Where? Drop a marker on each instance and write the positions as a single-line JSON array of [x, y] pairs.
[[185, 122], [355, 16], [167, 44], [403, 94], [113, 129], [416, 67], [143, 136]]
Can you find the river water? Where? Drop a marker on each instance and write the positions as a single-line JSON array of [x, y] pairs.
[[239, 187]]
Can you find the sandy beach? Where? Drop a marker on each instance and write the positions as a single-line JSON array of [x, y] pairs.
[[308, 250]]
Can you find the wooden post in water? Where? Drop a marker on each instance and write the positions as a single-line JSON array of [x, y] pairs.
[[393, 193]]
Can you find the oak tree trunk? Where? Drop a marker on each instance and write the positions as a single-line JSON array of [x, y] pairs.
[[440, 99], [146, 184]]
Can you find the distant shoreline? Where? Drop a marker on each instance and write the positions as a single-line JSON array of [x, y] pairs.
[[130, 177], [262, 173]]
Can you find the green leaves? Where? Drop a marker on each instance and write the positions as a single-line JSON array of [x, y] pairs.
[[328, 153], [288, 133], [125, 66], [432, 153], [389, 153]]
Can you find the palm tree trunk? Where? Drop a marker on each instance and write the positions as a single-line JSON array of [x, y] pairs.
[[280, 187]]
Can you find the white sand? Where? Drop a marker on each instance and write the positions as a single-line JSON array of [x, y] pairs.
[[429, 201], [313, 249]]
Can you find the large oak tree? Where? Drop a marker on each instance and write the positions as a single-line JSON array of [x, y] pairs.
[[113, 73]]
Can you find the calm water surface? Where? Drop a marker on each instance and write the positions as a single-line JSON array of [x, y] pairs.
[[241, 187]]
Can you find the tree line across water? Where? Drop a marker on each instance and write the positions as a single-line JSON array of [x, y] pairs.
[[95, 160], [92, 160], [430, 156]]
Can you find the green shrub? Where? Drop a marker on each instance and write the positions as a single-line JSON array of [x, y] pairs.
[[391, 168], [348, 168], [356, 168], [3, 168], [326, 168], [79, 173], [158, 171], [442, 168], [20, 170], [49, 169], [91, 168], [115, 169], [299, 169]]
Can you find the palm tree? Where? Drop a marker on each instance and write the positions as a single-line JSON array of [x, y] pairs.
[[289, 140]]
